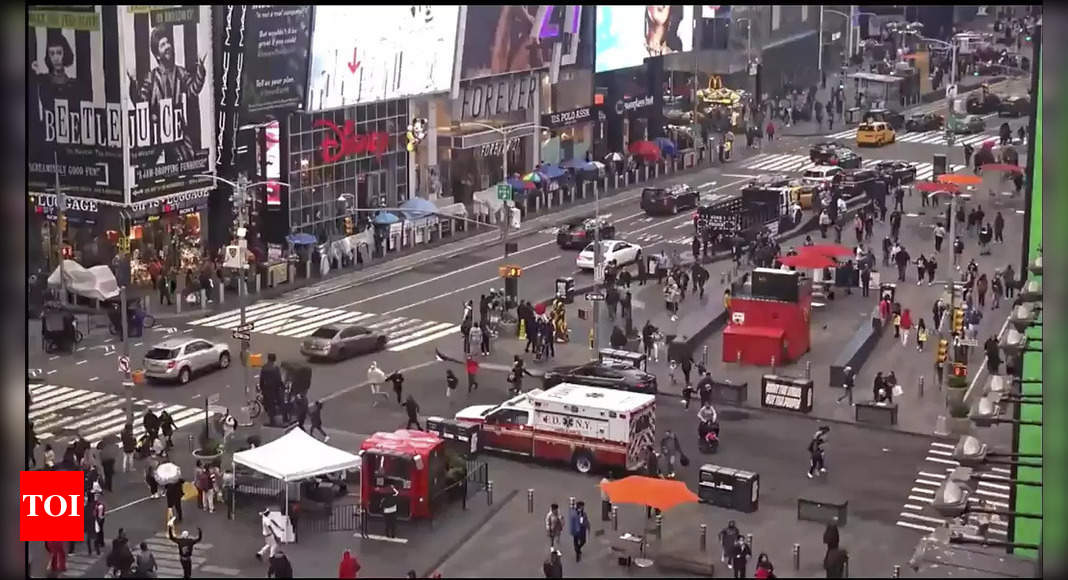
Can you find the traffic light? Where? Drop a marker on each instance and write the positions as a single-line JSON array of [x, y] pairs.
[[942, 353], [958, 319]]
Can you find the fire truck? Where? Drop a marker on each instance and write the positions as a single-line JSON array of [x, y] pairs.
[[588, 427]]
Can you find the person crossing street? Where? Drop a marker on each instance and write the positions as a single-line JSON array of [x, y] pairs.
[[376, 376]]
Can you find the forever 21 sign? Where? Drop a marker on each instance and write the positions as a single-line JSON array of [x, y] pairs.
[[563, 119]]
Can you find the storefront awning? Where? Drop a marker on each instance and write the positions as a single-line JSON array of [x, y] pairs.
[[477, 136]]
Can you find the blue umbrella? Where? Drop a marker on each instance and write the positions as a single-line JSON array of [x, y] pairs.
[[667, 146], [384, 218], [572, 164], [551, 171], [517, 184], [301, 239], [418, 207]]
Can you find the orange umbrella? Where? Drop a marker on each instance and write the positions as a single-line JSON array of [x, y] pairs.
[[829, 250], [806, 260], [1008, 167], [960, 179], [662, 494]]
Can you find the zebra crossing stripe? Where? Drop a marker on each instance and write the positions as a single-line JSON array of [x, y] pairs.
[[229, 314], [314, 316], [445, 331], [339, 318], [276, 318]]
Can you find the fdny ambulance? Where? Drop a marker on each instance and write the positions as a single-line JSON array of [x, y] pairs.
[[588, 427]]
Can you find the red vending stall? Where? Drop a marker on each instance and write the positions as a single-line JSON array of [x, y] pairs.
[[772, 320], [411, 461]]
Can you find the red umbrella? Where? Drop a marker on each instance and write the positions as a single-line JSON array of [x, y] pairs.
[[828, 250], [933, 186], [646, 149], [806, 260], [1002, 167], [539, 308], [989, 144]]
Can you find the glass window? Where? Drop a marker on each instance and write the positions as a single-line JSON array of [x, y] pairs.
[[775, 16], [804, 13]]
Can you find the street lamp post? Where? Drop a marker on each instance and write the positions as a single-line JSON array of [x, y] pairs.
[[240, 199]]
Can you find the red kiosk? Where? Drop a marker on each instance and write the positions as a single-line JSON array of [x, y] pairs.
[[771, 321], [412, 461]]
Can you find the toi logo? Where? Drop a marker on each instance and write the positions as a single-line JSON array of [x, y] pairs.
[[51, 506]]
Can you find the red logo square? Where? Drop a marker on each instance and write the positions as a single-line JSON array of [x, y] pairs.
[[51, 506]]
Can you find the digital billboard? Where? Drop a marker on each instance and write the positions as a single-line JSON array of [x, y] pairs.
[[514, 38], [276, 60], [627, 35], [363, 54]]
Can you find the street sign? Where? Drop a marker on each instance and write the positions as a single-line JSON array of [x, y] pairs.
[[969, 342], [246, 327], [242, 336], [124, 364], [504, 192], [594, 296]]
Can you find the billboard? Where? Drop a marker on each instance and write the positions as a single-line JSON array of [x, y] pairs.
[[627, 35], [507, 39], [276, 60], [363, 54], [74, 110], [167, 55]]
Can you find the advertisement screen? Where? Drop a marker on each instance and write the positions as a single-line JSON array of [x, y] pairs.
[[507, 39], [627, 35], [167, 51], [276, 60], [74, 110], [363, 54]]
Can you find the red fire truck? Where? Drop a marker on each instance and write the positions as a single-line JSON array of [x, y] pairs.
[[585, 426]]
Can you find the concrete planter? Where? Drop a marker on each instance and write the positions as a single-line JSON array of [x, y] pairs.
[[955, 397], [959, 425]]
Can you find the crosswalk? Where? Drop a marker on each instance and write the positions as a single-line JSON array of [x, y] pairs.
[[166, 553], [79, 562], [938, 464], [925, 137], [60, 412], [788, 163], [296, 321]]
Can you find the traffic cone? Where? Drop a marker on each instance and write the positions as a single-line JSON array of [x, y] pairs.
[[522, 330]]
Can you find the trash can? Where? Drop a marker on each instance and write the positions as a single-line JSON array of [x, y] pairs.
[[565, 289], [852, 115], [887, 290], [729, 488]]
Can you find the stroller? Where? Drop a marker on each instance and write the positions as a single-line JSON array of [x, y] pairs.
[[708, 437]]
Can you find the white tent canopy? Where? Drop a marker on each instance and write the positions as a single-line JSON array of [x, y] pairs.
[[296, 456], [97, 282]]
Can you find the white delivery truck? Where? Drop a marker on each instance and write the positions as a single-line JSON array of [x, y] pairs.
[[585, 426]]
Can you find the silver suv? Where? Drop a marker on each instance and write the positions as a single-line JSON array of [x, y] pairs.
[[177, 359]]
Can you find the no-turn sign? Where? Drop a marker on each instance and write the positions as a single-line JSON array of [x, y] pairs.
[[124, 364]]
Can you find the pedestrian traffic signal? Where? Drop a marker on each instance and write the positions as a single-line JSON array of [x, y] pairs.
[[942, 353], [958, 319], [510, 271], [960, 370]]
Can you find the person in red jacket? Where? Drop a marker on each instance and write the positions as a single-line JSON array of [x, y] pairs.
[[472, 374], [348, 567], [57, 558], [884, 310], [906, 325], [770, 130]]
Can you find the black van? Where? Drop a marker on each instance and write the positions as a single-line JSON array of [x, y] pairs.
[[657, 200], [857, 182]]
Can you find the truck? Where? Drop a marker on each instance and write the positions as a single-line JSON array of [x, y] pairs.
[[587, 427]]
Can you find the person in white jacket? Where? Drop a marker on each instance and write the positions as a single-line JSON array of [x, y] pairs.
[[376, 377]]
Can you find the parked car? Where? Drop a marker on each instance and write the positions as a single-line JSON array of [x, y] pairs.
[[968, 125], [834, 154], [338, 341], [925, 122], [982, 102], [821, 174], [659, 200], [876, 133], [894, 119], [180, 358], [616, 252], [897, 172], [616, 376], [1017, 106], [577, 233]]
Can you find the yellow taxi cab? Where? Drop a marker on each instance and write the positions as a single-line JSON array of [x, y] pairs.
[[804, 193], [875, 133]]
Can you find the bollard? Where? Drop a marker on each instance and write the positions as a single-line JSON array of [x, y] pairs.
[[178, 302], [659, 526], [797, 556], [615, 518], [921, 386], [749, 541], [307, 269], [190, 441], [808, 369], [530, 501], [772, 365], [897, 571], [704, 356], [203, 298], [571, 502], [739, 358], [147, 301], [489, 492], [704, 537], [222, 294]]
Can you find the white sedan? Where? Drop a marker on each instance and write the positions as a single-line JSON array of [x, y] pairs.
[[615, 252]]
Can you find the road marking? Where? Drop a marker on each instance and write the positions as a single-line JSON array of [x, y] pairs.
[[80, 349], [922, 490], [935, 475], [942, 453], [704, 185], [923, 499], [739, 175], [138, 343], [942, 445], [131, 504], [381, 538], [53, 357], [915, 526], [945, 461], [913, 507], [50, 372], [81, 362], [928, 482], [923, 518], [93, 379]]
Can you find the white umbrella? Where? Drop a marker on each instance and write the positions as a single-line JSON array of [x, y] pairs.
[[168, 473], [598, 164], [613, 157]]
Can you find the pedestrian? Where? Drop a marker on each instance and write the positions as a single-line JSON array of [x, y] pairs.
[[553, 567], [958, 249], [996, 288], [899, 198], [770, 131], [968, 149], [687, 365], [895, 224], [412, 409], [1010, 281], [931, 266], [472, 374], [167, 427], [465, 331], [450, 383], [906, 325], [834, 562], [849, 378], [740, 554], [554, 524], [349, 566], [921, 269], [981, 286], [901, 258], [999, 229], [728, 537], [120, 560], [397, 378], [485, 334], [816, 452], [129, 445], [606, 502], [375, 377], [625, 278], [270, 535], [993, 355], [150, 478], [280, 566], [824, 223], [764, 568], [95, 513], [611, 299], [300, 409], [896, 321], [49, 457], [648, 341], [580, 528], [107, 462]]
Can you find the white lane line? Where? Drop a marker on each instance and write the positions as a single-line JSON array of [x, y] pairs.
[[945, 461], [943, 445], [994, 485], [992, 494], [934, 475], [922, 499], [287, 322], [138, 343], [923, 518], [942, 453], [94, 379], [53, 357], [433, 328], [915, 526], [1001, 470], [338, 317], [273, 319], [928, 482], [704, 185], [50, 372], [922, 490], [414, 343], [219, 317], [910, 506], [81, 362]]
